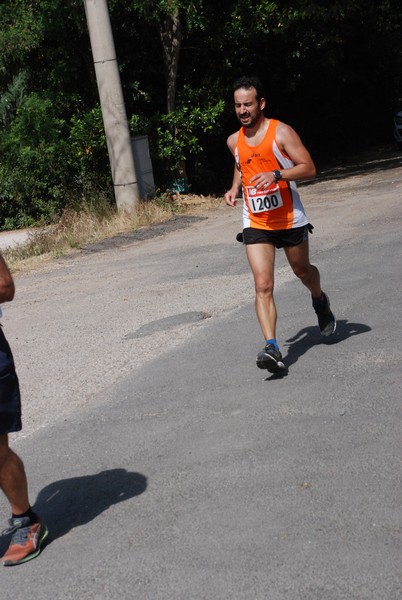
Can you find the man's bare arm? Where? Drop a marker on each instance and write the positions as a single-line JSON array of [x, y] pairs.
[[290, 143], [7, 288], [232, 194]]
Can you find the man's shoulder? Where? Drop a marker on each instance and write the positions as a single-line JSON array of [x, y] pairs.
[[233, 139], [283, 128]]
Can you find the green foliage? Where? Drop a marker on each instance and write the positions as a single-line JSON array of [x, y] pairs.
[[179, 132], [154, 10], [48, 164], [21, 31], [13, 98], [89, 157], [31, 173]]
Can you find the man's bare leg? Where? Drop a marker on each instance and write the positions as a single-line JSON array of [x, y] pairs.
[[298, 258], [13, 480], [261, 258], [28, 533]]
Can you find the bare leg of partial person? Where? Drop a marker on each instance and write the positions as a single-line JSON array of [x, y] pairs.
[[261, 258], [13, 480]]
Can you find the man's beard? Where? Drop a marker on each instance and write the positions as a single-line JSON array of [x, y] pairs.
[[253, 120]]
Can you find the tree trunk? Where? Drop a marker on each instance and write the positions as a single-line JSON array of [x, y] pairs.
[[171, 36]]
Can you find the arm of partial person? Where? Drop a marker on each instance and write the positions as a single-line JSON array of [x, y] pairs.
[[7, 288]]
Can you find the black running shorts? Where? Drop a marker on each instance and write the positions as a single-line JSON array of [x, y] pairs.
[[10, 399], [280, 239]]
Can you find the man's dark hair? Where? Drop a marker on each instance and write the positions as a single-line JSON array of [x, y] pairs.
[[249, 82]]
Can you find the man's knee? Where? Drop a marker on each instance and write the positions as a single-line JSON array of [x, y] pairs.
[[304, 271], [263, 286], [301, 272]]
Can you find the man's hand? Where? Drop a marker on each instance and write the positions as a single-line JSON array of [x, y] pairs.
[[263, 180], [231, 196]]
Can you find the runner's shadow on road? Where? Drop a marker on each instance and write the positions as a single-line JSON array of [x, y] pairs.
[[69, 503], [310, 336]]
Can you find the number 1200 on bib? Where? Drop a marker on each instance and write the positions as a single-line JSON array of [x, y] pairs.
[[261, 203]]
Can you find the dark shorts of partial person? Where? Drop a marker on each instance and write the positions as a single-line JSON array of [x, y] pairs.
[[10, 399], [281, 238]]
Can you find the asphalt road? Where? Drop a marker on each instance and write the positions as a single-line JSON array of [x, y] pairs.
[[167, 466]]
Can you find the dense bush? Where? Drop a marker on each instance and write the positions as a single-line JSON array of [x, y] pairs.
[[48, 164], [32, 171]]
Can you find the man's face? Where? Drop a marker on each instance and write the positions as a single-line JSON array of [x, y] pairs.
[[248, 109]]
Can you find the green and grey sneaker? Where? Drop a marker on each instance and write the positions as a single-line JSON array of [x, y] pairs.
[[270, 359], [326, 318], [26, 541]]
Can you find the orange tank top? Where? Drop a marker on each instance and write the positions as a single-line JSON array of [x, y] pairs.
[[277, 206]]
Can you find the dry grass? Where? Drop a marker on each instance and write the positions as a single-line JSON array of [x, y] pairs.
[[78, 229]]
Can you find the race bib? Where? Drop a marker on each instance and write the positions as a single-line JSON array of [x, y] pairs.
[[263, 200]]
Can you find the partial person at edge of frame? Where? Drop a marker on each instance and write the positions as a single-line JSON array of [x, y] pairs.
[[27, 531]]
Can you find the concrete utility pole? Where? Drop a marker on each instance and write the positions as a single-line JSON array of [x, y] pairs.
[[126, 188]]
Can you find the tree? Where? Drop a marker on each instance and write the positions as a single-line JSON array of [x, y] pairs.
[[168, 16], [171, 37]]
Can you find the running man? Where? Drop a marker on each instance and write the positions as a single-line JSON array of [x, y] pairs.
[[28, 533], [269, 158]]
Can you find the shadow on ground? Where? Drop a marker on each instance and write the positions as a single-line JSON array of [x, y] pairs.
[[175, 223], [377, 159], [310, 336], [69, 503]]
